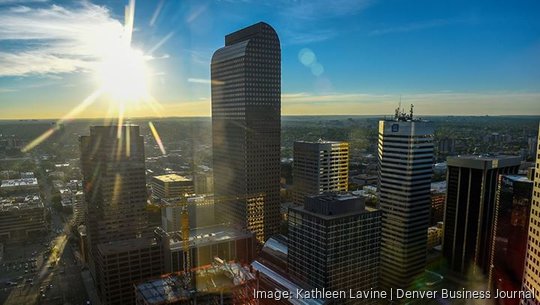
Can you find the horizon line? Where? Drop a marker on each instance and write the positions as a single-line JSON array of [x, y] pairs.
[[285, 115]]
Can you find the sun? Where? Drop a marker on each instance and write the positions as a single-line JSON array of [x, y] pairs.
[[124, 76]]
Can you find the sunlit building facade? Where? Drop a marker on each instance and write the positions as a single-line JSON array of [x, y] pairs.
[[319, 167], [246, 122], [531, 275], [171, 186], [405, 154]]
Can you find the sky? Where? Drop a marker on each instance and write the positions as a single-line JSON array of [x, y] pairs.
[[350, 57]]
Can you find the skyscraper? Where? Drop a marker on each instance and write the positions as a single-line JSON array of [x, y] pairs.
[[531, 277], [246, 123], [510, 227], [405, 152], [114, 183], [334, 243], [470, 210], [319, 167]]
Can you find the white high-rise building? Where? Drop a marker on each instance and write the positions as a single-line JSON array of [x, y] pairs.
[[405, 152], [319, 167], [531, 273]]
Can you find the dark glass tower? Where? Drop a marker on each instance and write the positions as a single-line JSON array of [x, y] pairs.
[[334, 243], [470, 210], [246, 122], [114, 183]]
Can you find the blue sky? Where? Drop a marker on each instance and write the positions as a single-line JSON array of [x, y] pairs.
[[338, 57]]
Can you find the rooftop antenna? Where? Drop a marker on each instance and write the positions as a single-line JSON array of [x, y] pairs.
[[398, 109]]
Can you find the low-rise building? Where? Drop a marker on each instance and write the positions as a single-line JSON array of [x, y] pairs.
[[21, 217], [435, 234], [171, 186], [19, 186], [122, 264]]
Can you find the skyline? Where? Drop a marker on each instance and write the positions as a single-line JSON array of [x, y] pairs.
[[487, 55]]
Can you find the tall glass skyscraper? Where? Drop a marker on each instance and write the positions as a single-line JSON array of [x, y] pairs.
[[405, 152], [114, 181], [246, 125], [470, 210]]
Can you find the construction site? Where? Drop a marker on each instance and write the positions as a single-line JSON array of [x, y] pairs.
[[221, 283]]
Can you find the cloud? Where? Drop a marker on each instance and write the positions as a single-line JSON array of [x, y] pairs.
[[309, 37], [416, 26], [8, 2], [7, 90], [321, 9], [437, 103], [305, 17], [55, 39]]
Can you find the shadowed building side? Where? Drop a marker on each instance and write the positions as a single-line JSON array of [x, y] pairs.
[[246, 126], [470, 211], [114, 183]]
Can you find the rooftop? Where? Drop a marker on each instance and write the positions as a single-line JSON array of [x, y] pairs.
[[19, 182], [484, 161], [171, 178], [209, 279], [330, 206], [20, 202], [123, 246], [517, 178], [202, 236]]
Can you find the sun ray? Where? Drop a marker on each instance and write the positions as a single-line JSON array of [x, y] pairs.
[[157, 137], [69, 116], [161, 42]]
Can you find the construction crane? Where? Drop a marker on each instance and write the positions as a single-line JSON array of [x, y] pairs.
[[184, 225]]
